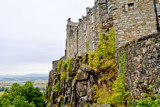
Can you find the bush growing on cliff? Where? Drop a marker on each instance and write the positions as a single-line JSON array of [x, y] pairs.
[[69, 65], [105, 50], [59, 66], [62, 76], [119, 95], [102, 95], [57, 87], [64, 67], [147, 101], [87, 46]]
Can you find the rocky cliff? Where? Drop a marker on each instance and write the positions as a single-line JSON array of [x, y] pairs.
[[78, 87], [106, 77]]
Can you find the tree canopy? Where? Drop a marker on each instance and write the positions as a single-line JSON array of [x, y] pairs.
[[22, 96]]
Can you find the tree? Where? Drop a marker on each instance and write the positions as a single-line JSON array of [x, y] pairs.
[[22, 96]]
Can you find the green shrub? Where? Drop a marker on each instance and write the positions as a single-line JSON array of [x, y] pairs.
[[158, 80], [105, 50], [147, 101], [69, 78], [120, 94], [64, 65], [62, 76], [50, 98], [57, 87], [87, 46], [22, 96], [69, 65], [122, 62], [90, 58], [102, 96], [59, 66], [49, 89]]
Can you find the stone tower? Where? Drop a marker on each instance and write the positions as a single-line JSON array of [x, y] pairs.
[[71, 40]]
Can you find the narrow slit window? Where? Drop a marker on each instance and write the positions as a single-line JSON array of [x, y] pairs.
[[93, 47], [92, 18], [85, 38], [109, 8]]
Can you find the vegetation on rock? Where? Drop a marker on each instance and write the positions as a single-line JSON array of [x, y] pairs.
[[57, 87], [105, 50]]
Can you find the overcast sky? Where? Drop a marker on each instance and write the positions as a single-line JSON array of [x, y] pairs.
[[33, 32]]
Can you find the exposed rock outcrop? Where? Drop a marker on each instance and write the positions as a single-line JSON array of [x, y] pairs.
[[76, 88], [78, 84]]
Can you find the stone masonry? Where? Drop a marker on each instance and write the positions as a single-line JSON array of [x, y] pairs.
[[135, 27], [142, 64], [131, 19], [87, 30]]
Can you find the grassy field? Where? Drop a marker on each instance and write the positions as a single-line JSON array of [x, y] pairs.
[[1, 93]]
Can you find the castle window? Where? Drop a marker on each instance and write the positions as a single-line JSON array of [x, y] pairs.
[[92, 18], [158, 7], [92, 32], [130, 6], [93, 47], [78, 51], [80, 31], [85, 38], [157, 1], [84, 26], [85, 50], [109, 8]]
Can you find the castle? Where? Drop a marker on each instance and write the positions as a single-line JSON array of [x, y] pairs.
[[136, 26], [131, 20]]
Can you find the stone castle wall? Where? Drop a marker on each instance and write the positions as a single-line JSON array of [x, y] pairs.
[[142, 69], [142, 64], [87, 30], [134, 22], [133, 19]]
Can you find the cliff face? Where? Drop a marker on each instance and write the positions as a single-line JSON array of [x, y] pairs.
[[77, 88], [93, 81]]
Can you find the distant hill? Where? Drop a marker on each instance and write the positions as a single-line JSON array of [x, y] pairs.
[[28, 77]]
